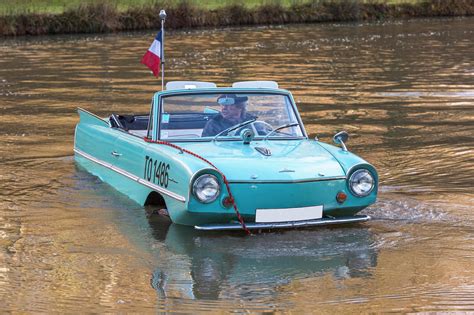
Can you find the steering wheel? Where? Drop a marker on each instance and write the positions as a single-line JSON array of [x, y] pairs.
[[255, 128], [261, 131]]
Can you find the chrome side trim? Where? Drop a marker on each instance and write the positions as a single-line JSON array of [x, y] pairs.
[[286, 181], [283, 225], [131, 176]]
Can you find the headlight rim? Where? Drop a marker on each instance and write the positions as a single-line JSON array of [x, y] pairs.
[[194, 188], [371, 188]]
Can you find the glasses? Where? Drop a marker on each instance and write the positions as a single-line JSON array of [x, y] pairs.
[[232, 107]]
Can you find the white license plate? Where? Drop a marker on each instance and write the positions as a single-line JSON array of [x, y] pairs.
[[289, 214]]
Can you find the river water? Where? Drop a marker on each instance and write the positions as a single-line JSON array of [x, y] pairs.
[[403, 90]]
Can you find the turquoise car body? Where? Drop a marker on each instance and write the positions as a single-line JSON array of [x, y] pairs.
[[299, 172]]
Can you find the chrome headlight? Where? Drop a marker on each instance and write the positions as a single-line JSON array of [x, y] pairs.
[[361, 183], [206, 188]]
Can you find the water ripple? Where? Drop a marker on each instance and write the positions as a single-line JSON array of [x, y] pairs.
[[404, 92]]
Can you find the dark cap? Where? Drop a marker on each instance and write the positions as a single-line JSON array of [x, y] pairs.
[[231, 99]]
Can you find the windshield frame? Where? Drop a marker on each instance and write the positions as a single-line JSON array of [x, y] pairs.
[[160, 96]]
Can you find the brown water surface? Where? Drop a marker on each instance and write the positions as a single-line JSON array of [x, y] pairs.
[[403, 90]]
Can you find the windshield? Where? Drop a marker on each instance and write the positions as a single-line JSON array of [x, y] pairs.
[[227, 115]]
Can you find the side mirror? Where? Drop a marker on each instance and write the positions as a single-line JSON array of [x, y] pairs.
[[341, 138]]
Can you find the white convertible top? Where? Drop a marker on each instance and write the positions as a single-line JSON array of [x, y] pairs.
[[185, 85], [256, 84], [180, 85]]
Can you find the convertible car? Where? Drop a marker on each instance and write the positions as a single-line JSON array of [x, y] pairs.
[[227, 158]]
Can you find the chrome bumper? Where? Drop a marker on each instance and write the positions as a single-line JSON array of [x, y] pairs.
[[283, 225]]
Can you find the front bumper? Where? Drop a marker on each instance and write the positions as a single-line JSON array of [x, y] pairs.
[[283, 225]]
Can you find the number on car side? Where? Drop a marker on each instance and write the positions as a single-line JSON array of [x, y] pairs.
[[156, 172]]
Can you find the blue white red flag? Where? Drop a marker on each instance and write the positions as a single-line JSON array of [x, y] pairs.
[[152, 58]]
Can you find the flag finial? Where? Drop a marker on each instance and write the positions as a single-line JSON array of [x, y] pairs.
[[162, 15]]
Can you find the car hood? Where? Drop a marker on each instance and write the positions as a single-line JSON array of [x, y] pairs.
[[290, 160]]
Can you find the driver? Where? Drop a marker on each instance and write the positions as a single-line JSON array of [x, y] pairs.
[[233, 112]]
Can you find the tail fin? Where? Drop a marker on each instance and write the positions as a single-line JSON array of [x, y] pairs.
[[89, 118]]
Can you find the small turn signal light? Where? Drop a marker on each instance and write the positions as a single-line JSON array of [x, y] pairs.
[[341, 197], [228, 202]]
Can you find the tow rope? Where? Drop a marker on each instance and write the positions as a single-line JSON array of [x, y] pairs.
[[239, 217]]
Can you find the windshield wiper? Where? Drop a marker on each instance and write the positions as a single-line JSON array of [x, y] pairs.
[[281, 127], [226, 131]]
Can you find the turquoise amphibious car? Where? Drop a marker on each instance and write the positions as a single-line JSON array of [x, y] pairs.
[[227, 158]]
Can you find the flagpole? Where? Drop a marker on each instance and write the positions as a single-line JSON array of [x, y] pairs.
[[162, 18]]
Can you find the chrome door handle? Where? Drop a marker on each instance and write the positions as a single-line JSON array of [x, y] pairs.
[[115, 153]]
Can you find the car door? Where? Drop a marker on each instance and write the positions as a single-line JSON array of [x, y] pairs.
[[128, 154], [129, 150], [94, 138]]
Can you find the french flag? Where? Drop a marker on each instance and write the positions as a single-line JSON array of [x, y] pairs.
[[152, 57]]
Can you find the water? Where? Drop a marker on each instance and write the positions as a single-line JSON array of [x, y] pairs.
[[403, 90]]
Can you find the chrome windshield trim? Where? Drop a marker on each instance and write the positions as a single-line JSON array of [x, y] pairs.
[[296, 181], [131, 176], [283, 225], [164, 94]]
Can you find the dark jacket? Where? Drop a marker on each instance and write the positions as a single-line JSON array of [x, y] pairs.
[[219, 123]]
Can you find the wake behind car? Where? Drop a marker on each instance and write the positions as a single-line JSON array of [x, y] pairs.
[[227, 158]]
